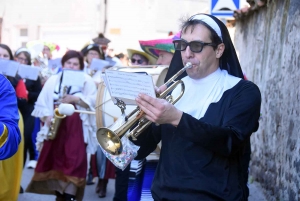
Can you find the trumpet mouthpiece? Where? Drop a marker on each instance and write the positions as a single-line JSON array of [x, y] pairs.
[[188, 65], [66, 109]]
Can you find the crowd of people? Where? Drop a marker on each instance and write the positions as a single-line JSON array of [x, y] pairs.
[[202, 142]]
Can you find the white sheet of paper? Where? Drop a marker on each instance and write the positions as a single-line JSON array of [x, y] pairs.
[[73, 78], [29, 72], [54, 63], [98, 64], [126, 86], [8, 67]]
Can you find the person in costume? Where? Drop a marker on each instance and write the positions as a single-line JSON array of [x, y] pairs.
[[205, 134], [90, 52], [62, 165], [11, 136], [161, 49], [16, 162], [33, 87], [140, 58], [11, 142]]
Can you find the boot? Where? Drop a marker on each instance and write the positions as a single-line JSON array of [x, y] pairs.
[[69, 197], [21, 190], [90, 179], [59, 197], [102, 192], [99, 185]]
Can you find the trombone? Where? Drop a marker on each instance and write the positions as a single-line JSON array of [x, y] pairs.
[[110, 140]]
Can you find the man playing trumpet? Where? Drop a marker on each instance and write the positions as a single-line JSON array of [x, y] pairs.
[[204, 135]]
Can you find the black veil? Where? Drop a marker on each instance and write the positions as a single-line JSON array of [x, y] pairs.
[[228, 60]]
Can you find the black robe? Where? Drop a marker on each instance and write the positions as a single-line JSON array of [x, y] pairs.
[[202, 159]]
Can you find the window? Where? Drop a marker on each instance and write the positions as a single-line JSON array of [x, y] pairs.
[[23, 44], [23, 32]]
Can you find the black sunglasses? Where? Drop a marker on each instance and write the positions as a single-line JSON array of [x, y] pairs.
[[195, 46], [139, 61]]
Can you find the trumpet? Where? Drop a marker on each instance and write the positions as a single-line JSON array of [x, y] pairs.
[[110, 140]]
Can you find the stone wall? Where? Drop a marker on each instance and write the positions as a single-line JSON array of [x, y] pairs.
[[268, 44]]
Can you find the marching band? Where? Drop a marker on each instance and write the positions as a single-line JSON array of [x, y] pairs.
[[162, 143]]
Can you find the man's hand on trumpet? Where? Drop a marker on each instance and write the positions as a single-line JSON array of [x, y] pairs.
[[158, 110]]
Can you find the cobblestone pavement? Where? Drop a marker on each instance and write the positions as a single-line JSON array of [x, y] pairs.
[[90, 195]]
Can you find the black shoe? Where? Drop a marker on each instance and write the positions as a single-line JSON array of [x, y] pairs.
[[69, 197], [21, 190], [90, 179]]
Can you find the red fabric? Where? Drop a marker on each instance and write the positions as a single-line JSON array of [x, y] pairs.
[[94, 165], [21, 90], [67, 152], [110, 171]]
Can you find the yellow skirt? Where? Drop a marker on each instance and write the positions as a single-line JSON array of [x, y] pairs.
[[11, 171]]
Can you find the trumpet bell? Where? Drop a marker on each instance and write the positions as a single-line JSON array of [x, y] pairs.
[[109, 140]]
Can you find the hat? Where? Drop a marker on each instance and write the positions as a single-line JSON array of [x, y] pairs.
[[22, 49], [101, 40], [153, 47], [152, 60], [89, 47], [51, 46]]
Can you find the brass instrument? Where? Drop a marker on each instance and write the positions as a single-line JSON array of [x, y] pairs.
[[56, 120], [110, 140], [55, 123]]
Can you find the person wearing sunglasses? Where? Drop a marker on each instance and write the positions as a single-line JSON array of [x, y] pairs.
[[206, 134], [139, 58]]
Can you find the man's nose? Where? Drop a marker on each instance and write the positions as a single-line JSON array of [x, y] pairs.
[[188, 53]]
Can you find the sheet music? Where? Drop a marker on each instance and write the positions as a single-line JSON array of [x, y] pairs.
[[54, 63], [28, 72], [8, 67], [98, 64], [126, 86], [73, 78]]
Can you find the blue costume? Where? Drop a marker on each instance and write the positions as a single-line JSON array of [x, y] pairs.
[[10, 136]]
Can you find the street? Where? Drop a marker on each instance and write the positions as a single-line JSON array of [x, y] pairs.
[[90, 195]]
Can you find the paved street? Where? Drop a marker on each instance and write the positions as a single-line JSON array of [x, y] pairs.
[[90, 195]]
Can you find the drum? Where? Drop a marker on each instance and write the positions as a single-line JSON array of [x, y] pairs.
[[107, 112]]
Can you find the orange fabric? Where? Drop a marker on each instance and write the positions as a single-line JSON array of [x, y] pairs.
[[21, 90]]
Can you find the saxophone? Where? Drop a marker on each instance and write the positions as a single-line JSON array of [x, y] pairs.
[[56, 120]]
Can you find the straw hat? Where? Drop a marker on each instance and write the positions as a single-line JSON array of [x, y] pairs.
[[152, 60]]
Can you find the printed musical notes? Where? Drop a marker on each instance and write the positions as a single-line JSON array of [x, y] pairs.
[[126, 86]]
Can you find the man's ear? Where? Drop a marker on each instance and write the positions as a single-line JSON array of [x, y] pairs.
[[219, 51]]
